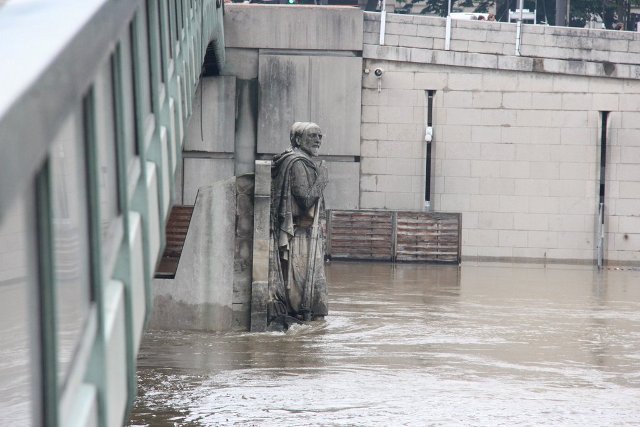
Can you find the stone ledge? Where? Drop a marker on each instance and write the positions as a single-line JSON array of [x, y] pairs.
[[292, 27], [502, 62], [560, 43], [608, 264]]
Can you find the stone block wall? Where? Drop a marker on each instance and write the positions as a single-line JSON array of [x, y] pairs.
[[208, 152], [305, 65], [623, 181], [516, 138], [292, 27]]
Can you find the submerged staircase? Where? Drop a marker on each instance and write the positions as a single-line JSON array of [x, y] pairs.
[[176, 232]]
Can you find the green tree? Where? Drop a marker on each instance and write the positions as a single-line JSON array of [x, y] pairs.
[[610, 11], [582, 11], [483, 6], [439, 7]]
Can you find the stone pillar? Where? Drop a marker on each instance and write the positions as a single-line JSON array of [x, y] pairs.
[[209, 143], [561, 13], [262, 213], [246, 122], [244, 251]]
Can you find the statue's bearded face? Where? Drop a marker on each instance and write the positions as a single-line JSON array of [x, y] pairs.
[[311, 140]]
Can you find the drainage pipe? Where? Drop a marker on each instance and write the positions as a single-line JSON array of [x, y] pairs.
[[428, 137], [603, 168]]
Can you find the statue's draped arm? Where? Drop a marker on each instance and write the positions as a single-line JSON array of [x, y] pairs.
[[307, 185]]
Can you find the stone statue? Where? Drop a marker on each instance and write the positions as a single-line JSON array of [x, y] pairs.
[[297, 282]]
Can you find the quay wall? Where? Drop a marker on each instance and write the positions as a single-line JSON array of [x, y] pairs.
[[516, 138]]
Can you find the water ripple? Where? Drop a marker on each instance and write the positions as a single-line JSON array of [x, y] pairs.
[[412, 345]]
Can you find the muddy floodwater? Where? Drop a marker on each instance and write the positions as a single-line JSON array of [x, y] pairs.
[[416, 345]]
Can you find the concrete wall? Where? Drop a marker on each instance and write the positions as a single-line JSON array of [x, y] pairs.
[[516, 139]]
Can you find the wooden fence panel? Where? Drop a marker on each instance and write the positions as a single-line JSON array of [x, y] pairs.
[[428, 237], [394, 236], [360, 235]]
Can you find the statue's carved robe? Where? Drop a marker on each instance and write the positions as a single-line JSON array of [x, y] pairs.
[[295, 202]]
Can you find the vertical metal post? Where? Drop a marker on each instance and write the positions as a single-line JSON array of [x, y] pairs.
[[383, 21], [46, 301], [519, 28], [394, 236], [329, 233], [447, 36]]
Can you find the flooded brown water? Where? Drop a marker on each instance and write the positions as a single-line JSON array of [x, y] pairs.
[[417, 345]]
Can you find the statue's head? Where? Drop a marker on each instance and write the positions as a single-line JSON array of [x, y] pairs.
[[307, 136]]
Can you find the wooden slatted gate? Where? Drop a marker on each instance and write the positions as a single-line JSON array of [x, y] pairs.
[[394, 236]]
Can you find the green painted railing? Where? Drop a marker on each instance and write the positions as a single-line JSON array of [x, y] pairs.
[[96, 96]]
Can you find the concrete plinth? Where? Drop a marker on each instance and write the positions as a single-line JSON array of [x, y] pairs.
[[201, 295]]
